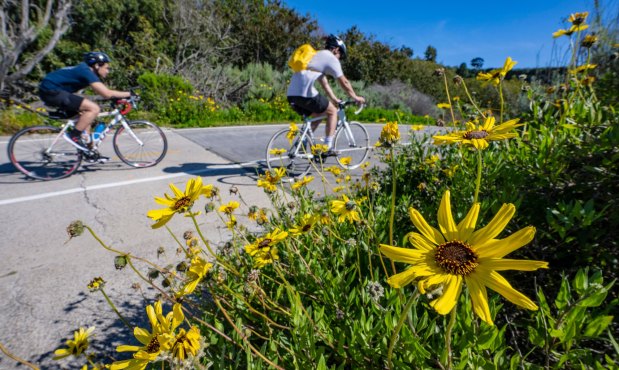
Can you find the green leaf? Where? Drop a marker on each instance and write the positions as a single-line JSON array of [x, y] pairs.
[[564, 295], [597, 326], [322, 363], [487, 337], [581, 281], [535, 337], [594, 299]]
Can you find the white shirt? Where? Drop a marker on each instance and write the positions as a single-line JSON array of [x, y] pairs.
[[302, 83]]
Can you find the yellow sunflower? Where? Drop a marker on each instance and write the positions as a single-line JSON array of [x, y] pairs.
[[389, 135], [299, 184], [456, 253], [345, 209], [497, 75], [158, 340], [186, 343], [230, 207], [198, 269], [180, 202], [479, 136], [306, 224], [76, 346], [293, 130], [263, 249]]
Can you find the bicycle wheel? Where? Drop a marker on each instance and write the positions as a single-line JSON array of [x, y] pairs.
[[295, 158], [41, 153], [353, 143], [143, 145]]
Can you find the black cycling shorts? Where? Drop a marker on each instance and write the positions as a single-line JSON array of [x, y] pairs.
[[306, 106], [61, 99]]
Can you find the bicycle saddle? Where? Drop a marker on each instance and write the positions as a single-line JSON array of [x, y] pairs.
[[61, 114]]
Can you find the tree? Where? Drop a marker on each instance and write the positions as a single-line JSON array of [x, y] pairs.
[[28, 32], [430, 54], [477, 63], [462, 70], [265, 31]]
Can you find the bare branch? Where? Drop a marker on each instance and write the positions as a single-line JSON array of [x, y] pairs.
[[20, 26]]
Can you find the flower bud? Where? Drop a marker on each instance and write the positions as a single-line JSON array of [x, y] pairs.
[[120, 262]]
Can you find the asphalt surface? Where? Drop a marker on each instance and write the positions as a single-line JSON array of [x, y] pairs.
[[44, 274]]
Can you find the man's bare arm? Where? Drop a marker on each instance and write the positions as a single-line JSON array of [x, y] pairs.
[[328, 90], [102, 90], [349, 90]]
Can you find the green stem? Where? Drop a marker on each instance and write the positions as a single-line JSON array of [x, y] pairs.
[[398, 326], [502, 100], [451, 110], [468, 95], [109, 301], [393, 194], [450, 326], [208, 246], [478, 180]]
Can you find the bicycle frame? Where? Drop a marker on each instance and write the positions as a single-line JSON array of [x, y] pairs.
[[118, 117], [341, 121]]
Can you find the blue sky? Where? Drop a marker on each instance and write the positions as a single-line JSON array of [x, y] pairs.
[[459, 30]]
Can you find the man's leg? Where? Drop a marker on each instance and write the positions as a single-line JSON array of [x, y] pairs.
[[331, 124], [88, 112]]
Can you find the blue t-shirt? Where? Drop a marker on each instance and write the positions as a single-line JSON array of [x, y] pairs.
[[70, 79]]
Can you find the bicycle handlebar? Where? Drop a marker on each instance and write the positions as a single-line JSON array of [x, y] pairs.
[[344, 103]]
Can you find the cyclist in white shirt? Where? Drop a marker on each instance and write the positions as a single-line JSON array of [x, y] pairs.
[[305, 99]]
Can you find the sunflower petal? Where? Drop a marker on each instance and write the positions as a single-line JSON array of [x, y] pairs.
[[407, 255], [466, 227], [498, 283], [479, 296], [420, 241], [510, 264], [402, 279], [451, 291], [495, 226], [499, 248], [445, 218], [424, 228]]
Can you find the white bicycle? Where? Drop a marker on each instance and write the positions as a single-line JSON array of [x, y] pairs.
[[292, 149], [41, 153]]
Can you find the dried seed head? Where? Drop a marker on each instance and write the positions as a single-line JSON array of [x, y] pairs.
[[458, 80], [188, 235], [375, 290], [234, 190], [76, 228], [181, 267]]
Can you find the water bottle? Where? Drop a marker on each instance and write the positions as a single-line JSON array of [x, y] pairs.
[[99, 132]]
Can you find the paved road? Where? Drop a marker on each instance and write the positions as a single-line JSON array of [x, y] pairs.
[[43, 275]]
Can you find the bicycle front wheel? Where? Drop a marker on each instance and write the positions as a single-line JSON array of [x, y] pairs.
[[285, 150], [142, 145], [352, 142], [40, 152]]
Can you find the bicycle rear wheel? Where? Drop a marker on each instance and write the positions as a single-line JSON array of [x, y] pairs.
[[284, 151], [41, 153], [354, 144], [144, 145]]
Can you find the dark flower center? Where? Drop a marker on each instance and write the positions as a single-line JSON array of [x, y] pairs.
[[153, 345], [306, 227], [456, 258], [350, 205], [265, 243], [182, 204], [476, 134]]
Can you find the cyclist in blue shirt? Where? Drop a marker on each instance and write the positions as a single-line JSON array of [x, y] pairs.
[[58, 89]]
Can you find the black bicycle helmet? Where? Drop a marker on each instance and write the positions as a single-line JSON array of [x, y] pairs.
[[96, 57], [333, 41]]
